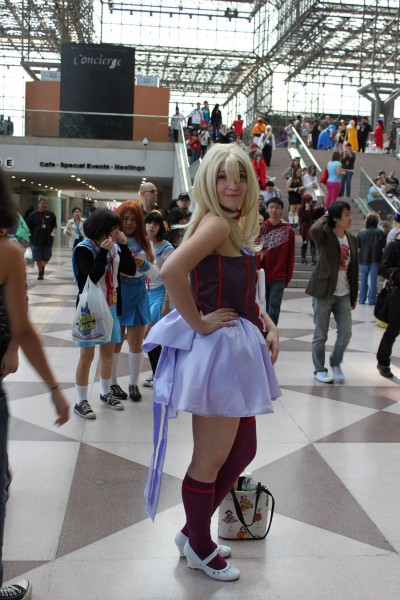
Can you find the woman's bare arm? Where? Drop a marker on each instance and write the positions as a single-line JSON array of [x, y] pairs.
[[12, 276]]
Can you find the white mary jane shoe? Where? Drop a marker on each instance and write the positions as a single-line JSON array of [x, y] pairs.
[[230, 573], [181, 539]]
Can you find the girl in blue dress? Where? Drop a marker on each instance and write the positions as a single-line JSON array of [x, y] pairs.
[[135, 313], [218, 350], [158, 298]]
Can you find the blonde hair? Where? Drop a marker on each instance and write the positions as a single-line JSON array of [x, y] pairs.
[[243, 231]]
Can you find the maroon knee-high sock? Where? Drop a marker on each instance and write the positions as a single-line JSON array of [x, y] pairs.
[[242, 453], [198, 500]]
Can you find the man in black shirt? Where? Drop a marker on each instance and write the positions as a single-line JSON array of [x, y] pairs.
[[42, 224], [363, 134], [183, 202]]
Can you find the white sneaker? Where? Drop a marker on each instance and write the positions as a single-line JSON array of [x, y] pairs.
[[149, 381], [338, 376], [323, 377]]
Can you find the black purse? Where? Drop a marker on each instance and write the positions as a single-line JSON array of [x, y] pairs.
[[381, 310]]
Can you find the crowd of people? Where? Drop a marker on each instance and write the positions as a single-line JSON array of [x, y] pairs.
[[328, 134], [204, 127], [148, 261], [386, 185], [6, 126]]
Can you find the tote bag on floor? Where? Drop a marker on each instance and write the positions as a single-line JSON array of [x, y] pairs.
[[244, 514]]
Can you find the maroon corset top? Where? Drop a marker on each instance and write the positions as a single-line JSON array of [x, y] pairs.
[[227, 282]]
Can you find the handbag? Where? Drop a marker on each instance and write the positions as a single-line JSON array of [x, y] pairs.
[[324, 176], [244, 514], [381, 310], [93, 321]]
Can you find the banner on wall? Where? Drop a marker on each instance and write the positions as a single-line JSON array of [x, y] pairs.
[[97, 78]]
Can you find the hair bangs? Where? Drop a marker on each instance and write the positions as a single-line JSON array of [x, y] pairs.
[[232, 167]]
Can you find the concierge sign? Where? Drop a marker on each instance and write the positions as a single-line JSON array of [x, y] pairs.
[[97, 78]]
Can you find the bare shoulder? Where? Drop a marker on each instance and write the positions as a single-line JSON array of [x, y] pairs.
[[216, 224], [10, 259]]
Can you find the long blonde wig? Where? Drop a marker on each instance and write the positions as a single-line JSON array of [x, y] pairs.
[[243, 231]]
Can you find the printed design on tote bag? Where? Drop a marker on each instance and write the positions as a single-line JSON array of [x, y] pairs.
[[245, 503], [229, 519], [86, 321]]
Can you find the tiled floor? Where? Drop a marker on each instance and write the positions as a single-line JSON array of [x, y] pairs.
[[330, 454]]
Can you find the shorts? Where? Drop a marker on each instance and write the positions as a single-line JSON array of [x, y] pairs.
[[42, 253]]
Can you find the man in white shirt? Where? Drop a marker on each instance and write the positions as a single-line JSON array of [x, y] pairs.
[[271, 191], [197, 117], [176, 121]]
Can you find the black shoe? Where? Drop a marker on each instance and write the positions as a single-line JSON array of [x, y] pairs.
[[111, 402], [40, 276], [304, 261], [134, 393], [385, 371], [8, 481], [84, 410], [18, 591], [314, 261], [118, 392]]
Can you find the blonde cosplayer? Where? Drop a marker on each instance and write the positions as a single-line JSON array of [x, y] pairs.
[[243, 231]]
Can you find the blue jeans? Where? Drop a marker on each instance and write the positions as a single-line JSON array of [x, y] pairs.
[[340, 307], [346, 184], [216, 128], [3, 470], [273, 298], [194, 155], [369, 282]]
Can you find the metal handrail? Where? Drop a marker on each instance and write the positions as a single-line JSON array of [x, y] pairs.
[[100, 114], [306, 150], [183, 162], [319, 191]]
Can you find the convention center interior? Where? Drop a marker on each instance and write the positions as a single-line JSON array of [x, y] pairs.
[[126, 129]]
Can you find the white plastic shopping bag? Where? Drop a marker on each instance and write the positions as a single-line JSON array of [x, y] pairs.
[[28, 257], [93, 321]]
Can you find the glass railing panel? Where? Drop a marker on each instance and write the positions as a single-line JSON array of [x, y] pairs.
[[373, 198]]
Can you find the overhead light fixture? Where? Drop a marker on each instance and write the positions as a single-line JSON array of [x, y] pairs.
[[72, 176], [23, 179], [78, 179]]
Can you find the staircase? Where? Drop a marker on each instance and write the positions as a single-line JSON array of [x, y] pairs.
[[371, 163]]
